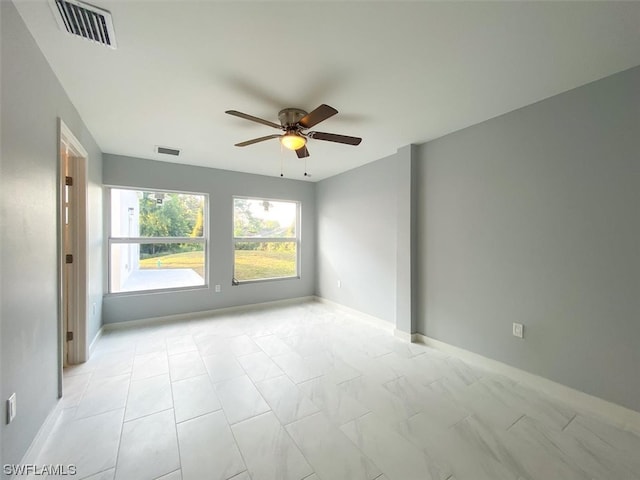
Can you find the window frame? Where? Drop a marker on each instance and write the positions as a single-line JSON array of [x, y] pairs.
[[111, 240], [297, 240]]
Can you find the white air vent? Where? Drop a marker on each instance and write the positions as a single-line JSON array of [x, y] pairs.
[[168, 151], [85, 21]]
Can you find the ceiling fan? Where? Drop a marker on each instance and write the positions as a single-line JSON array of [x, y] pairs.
[[294, 122]]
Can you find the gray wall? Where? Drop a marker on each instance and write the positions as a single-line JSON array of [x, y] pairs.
[[32, 100], [220, 185], [1, 227], [363, 236], [533, 217], [95, 237]]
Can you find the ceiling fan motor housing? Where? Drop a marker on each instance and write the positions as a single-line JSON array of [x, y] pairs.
[[289, 117]]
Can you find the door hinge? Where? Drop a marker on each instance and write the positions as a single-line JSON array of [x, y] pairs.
[[68, 258], [68, 181], [69, 336]]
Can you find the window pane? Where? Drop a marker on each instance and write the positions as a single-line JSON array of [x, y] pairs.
[[151, 266], [264, 218], [263, 260], [156, 214]]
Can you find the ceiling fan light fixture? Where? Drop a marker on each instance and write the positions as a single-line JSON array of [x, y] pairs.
[[293, 141]]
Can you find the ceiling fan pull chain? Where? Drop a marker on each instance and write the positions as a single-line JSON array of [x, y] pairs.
[[281, 165]]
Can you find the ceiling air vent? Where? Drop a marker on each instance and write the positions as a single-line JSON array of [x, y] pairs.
[[84, 20], [168, 151]]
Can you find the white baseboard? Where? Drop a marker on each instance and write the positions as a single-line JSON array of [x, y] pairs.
[[365, 317], [582, 402], [95, 341], [206, 313], [407, 337], [34, 450]]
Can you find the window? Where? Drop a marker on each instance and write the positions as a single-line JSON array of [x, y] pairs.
[[158, 240], [266, 239]]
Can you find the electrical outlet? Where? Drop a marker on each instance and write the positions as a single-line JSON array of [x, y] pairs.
[[11, 408], [518, 330], [217, 288]]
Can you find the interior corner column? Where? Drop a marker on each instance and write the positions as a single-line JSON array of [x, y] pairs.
[[404, 311]]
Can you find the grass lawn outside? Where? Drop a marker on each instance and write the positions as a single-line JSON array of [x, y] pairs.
[[258, 264], [249, 264], [193, 260]]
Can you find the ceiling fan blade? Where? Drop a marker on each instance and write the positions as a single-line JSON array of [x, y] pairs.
[[256, 140], [235, 113], [302, 152], [333, 137], [320, 114]]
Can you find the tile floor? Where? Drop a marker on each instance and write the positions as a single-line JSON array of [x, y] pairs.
[[309, 392]]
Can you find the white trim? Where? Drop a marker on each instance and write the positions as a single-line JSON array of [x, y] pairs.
[[582, 402], [72, 140], [297, 239], [77, 162], [265, 239], [141, 240], [111, 240], [35, 449], [407, 337], [203, 314], [94, 342], [365, 317]]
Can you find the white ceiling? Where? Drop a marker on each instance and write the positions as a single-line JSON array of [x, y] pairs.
[[398, 72]]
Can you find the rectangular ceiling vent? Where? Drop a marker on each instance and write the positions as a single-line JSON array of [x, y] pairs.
[[85, 21], [168, 151]]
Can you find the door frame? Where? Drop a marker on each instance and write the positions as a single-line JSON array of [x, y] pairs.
[[72, 158]]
